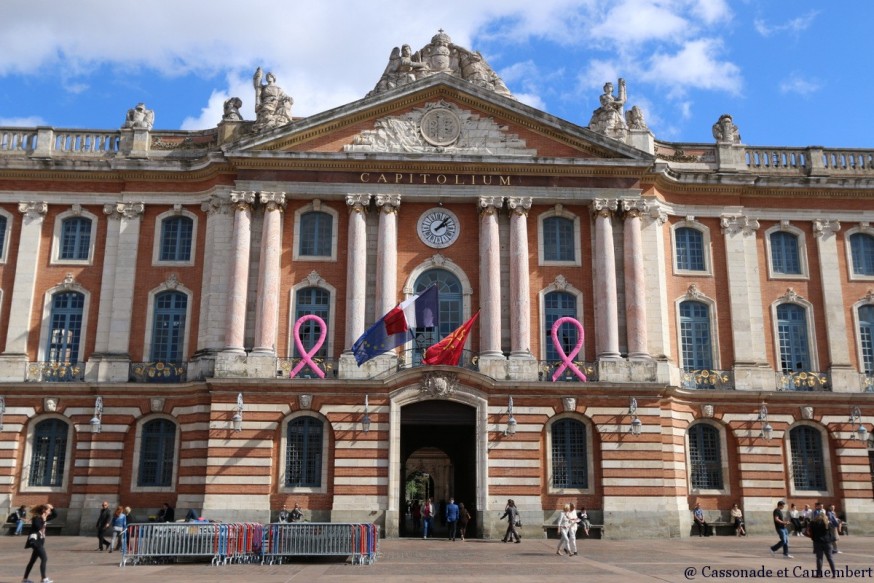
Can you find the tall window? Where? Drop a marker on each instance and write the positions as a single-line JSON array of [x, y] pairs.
[[705, 457], [695, 337], [65, 329], [49, 453], [558, 239], [862, 247], [3, 225], [570, 467], [808, 467], [315, 234], [75, 238], [311, 300], [451, 307], [690, 249], [785, 258], [157, 454], [176, 238], [559, 305], [866, 335], [168, 327], [303, 456], [793, 338]]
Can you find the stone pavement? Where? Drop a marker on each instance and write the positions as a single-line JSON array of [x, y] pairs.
[[74, 560]]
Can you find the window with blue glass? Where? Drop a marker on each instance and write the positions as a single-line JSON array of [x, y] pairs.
[[450, 305], [570, 467], [793, 338], [785, 258], [316, 301], [49, 453], [177, 234], [303, 456], [808, 465], [690, 249], [705, 456], [558, 239], [75, 239], [157, 454], [558, 305], [3, 225], [866, 336], [862, 248], [316, 232], [695, 338], [168, 327], [65, 327]]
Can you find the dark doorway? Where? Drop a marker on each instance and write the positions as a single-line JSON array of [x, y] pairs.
[[438, 459]]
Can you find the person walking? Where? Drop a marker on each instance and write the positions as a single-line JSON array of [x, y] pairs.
[[737, 516], [427, 518], [119, 524], [512, 516], [21, 519], [452, 511], [572, 531], [104, 520], [564, 525], [781, 525], [36, 539], [834, 528], [822, 544], [463, 520]]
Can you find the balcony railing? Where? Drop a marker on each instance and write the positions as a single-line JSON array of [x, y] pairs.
[[284, 366], [413, 358], [868, 382], [158, 372], [720, 380], [55, 372], [803, 381], [548, 368]]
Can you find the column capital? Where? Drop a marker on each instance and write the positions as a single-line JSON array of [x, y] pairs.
[[216, 205], [732, 225], [273, 201], [633, 208], [242, 199], [127, 210], [489, 205], [605, 207], [388, 203], [357, 203], [519, 205], [33, 210], [825, 228]]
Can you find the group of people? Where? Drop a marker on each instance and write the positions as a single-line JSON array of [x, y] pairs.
[[293, 515], [115, 522], [737, 519], [456, 517]]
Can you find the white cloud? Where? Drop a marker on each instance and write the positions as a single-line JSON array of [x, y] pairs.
[[639, 21], [797, 84], [22, 122], [695, 66], [793, 26]]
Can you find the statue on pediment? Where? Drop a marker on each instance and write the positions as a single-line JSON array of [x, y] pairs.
[[634, 119], [609, 119], [272, 104], [139, 118], [232, 109], [725, 131]]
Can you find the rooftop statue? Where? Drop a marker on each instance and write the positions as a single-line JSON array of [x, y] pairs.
[[609, 119], [272, 105], [139, 118], [439, 56], [725, 131], [634, 119], [232, 109]]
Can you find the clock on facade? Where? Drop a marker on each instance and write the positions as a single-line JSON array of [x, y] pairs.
[[438, 228]]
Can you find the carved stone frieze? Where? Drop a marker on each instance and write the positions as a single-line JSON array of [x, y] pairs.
[[314, 279], [791, 296], [732, 225], [33, 210], [693, 293], [438, 385], [216, 205], [826, 228], [560, 283], [569, 404], [50, 404], [707, 411], [305, 402], [156, 404], [124, 210], [807, 412]]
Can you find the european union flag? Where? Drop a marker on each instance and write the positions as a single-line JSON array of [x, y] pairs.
[[395, 327]]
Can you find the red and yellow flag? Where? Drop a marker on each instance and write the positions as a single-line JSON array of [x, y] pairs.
[[448, 351]]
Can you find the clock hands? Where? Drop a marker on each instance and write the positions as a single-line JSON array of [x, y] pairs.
[[442, 225]]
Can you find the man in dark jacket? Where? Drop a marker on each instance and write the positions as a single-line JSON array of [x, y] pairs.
[[103, 521], [166, 514]]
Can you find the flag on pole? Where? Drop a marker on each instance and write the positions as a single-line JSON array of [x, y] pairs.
[[448, 351], [395, 328]]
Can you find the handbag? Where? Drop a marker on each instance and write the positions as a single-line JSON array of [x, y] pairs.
[[518, 522], [31, 541]]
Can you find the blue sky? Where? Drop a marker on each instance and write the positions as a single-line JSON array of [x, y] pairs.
[[779, 68]]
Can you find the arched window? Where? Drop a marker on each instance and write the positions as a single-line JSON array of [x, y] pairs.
[[785, 258], [557, 305], [690, 249], [75, 238], [317, 301], [49, 453], [862, 247], [695, 338], [168, 327], [315, 234], [793, 338], [866, 336], [176, 239], [451, 307], [303, 455], [3, 225], [808, 466], [65, 329], [157, 454], [705, 457], [570, 467], [558, 239]]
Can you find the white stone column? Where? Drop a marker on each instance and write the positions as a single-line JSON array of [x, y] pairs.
[[606, 311], [490, 277], [13, 362], [635, 284], [217, 255], [387, 254], [267, 321], [356, 270], [520, 292], [235, 328]]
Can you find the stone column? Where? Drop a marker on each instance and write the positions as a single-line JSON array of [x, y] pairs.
[[356, 270], [655, 270], [490, 277], [606, 311], [520, 293], [266, 324], [13, 362], [387, 254], [635, 284], [235, 327]]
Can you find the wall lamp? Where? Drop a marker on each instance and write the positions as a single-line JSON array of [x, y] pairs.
[[636, 424], [97, 421], [365, 420], [237, 419], [511, 421], [2, 411], [766, 430], [855, 418]]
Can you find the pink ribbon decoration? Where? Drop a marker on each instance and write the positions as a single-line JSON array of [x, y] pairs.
[[567, 359], [307, 358]]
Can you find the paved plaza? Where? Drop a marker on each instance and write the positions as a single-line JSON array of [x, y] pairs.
[[74, 560]]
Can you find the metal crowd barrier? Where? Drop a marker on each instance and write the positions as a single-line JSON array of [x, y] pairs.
[[224, 543]]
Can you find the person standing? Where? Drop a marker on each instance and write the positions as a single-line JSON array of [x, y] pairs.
[[21, 516], [822, 544], [737, 516], [795, 519], [781, 525], [103, 522], [427, 518], [452, 518], [119, 523], [41, 514], [512, 516], [463, 520], [834, 528], [698, 515]]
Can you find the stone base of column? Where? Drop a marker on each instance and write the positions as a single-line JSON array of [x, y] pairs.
[[379, 366], [523, 367], [632, 371], [758, 515], [391, 528], [860, 515], [642, 140], [754, 377], [493, 365], [844, 379], [234, 508], [262, 365], [231, 364], [13, 368], [108, 368], [202, 365], [636, 517]]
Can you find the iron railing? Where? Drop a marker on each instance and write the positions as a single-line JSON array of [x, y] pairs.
[[55, 372], [284, 366], [158, 372], [803, 380], [547, 368], [706, 379]]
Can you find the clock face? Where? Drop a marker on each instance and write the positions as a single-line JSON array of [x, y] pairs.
[[438, 228]]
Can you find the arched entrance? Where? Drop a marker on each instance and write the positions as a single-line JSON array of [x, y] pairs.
[[438, 458]]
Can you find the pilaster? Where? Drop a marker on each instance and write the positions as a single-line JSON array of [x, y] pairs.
[[635, 284]]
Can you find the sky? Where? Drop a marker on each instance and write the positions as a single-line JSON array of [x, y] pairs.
[[778, 67]]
